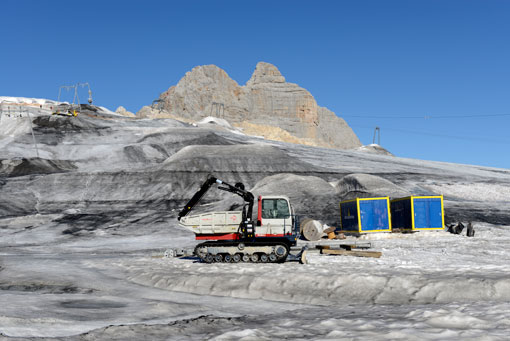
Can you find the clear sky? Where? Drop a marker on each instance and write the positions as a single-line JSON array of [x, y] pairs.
[[434, 75]]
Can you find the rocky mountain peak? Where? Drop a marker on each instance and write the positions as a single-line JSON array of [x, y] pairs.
[[210, 71], [266, 102], [265, 73]]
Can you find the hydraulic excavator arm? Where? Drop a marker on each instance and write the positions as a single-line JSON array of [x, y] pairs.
[[211, 180]]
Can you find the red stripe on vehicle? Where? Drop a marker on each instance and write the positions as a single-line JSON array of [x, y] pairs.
[[259, 212], [227, 236]]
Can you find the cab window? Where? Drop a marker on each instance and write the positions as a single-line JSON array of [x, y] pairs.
[[275, 209]]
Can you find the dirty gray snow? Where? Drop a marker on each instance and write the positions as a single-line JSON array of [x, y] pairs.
[[83, 227]]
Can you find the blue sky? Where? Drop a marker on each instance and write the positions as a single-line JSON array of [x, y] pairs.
[[433, 75]]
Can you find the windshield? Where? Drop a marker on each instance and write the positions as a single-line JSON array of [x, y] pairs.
[[275, 209]]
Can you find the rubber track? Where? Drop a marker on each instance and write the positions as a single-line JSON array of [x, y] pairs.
[[246, 244]]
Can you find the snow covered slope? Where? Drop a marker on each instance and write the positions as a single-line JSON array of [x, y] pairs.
[[79, 226]]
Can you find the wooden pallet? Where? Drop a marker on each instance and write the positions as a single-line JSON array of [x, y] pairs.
[[347, 250], [372, 254]]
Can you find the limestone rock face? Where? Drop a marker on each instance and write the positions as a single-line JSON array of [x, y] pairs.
[[201, 91], [265, 73], [122, 111], [266, 100], [147, 112]]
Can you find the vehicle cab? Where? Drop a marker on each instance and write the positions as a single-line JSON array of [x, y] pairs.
[[275, 216]]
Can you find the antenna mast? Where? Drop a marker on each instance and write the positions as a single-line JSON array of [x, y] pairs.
[[377, 132]]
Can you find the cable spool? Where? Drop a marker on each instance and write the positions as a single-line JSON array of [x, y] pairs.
[[311, 230]]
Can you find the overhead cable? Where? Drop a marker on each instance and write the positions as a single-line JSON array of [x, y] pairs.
[[426, 117], [415, 132]]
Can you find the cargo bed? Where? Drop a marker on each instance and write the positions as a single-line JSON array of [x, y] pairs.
[[213, 222]]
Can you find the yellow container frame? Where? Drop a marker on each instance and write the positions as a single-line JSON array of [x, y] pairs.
[[357, 200], [412, 197]]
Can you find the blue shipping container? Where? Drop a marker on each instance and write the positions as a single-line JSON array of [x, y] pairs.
[[417, 213], [363, 215]]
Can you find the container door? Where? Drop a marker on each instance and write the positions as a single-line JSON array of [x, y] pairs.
[[276, 218], [436, 213], [428, 213], [374, 215], [349, 216]]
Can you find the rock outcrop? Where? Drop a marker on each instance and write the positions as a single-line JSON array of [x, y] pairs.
[[122, 111], [266, 100]]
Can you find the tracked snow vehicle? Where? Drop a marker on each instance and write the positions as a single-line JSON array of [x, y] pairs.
[[232, 236]]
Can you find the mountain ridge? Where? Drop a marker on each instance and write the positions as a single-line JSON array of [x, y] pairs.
[[265, 100]]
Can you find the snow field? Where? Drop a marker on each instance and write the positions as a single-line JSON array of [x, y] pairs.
[[10, 127], [14, 113], [6, 100], [476, 191], [312, 287], [215, 120], [449, 322], [420, 268], [105, 282]]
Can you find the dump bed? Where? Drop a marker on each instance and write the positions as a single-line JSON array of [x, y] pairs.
[[212, 222]]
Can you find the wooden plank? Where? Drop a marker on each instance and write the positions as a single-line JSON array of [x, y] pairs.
[[333, 247], [372, 254]]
